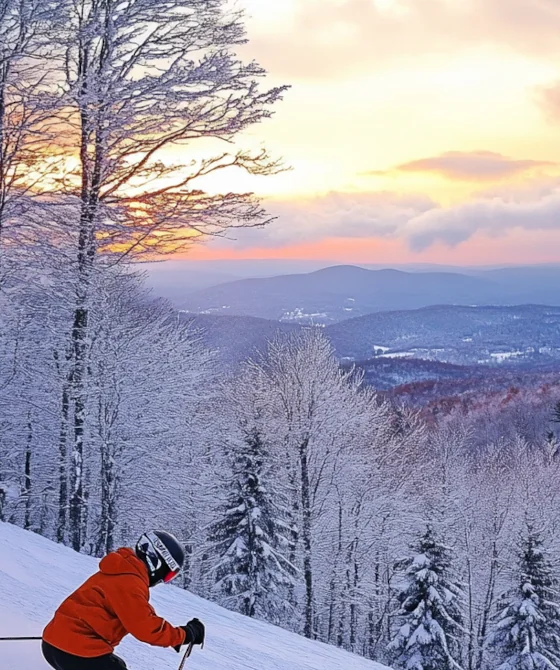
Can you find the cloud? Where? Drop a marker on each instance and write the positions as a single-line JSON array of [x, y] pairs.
[[330, 38], [548, 97], [475, 165], [335, 215], [494, 217], [527, 26], [416, 220]]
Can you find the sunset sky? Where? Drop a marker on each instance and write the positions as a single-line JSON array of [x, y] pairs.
[[418, 131]]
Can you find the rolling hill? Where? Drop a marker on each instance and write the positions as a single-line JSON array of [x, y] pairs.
[[340, 292], [453, 344], [236, 338], [527, 334]]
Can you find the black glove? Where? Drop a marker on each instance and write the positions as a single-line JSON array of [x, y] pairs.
[[194, 633]]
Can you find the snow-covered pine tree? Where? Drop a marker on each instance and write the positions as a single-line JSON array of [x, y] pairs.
[[250, 537], [526, 630], [430, 616]]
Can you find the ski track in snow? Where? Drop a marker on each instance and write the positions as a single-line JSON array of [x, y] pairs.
[[36, 575]]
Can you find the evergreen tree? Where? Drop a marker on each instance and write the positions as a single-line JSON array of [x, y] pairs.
[[526, 634], [250, 538], [430, 617]]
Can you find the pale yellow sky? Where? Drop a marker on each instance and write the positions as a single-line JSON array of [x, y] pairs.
[[453, 102]]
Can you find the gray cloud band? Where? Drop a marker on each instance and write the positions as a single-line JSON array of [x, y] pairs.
[[419, 221]]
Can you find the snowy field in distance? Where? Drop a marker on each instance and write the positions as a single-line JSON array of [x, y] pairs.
[[36, 575]]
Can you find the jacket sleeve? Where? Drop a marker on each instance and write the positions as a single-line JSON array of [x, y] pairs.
[[128, 598]]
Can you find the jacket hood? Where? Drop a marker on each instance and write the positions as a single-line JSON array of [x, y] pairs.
[[124, 562]]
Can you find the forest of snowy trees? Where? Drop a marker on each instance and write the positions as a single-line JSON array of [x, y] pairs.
[[303, 497]]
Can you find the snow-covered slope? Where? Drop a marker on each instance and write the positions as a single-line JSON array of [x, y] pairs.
[[36, 575]]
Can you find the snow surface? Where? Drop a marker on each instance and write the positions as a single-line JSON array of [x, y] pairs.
[[36, 575], [505, 355], [399, 354]]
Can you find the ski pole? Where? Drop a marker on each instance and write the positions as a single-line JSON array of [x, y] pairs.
[[187, 654], [18, 639]]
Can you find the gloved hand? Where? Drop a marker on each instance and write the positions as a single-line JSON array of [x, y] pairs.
[[194, 632]]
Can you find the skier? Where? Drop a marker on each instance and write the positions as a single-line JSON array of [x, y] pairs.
[[92, 621]]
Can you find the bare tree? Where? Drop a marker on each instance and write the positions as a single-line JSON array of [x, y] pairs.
[[142, 78], [316, 409], [148, 371], [28, 101]]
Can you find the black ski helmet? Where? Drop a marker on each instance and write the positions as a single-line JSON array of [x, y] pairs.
[[163, 555]]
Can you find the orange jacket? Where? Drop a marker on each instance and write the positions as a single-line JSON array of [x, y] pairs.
[[112, 603]]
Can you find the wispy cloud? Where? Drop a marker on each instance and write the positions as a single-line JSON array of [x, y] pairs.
[[471, 166]]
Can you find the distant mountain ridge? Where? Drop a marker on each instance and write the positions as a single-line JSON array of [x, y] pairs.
[[338, 293]]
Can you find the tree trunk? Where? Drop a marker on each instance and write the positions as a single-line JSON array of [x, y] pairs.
[[187, 567], [3, 186], [90, 192], [87, 538], [2, 502], [471, 610], [109, 499], [306, 537], [62, 472], [341, 621], [354, 605], [372, 635], [79, 331], [27, 478], [80, 351], [487, 609], [334, 579], [103, 535]]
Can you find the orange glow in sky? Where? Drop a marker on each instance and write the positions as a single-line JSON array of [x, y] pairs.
[[516, 248], [431, 129]]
